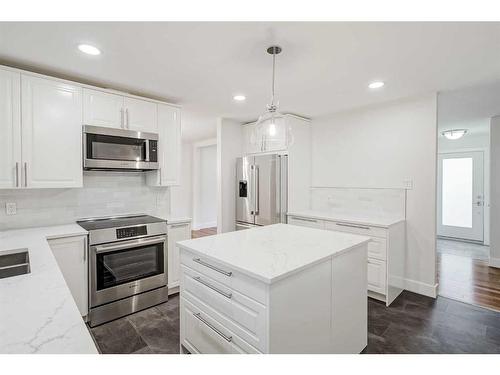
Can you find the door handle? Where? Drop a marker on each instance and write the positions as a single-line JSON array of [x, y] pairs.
[[126, 115], [25, 174], [257, 195], [17, 174]]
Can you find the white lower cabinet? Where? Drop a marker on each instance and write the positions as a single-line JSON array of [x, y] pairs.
[[176, 232], [386, 253], [72, 258]]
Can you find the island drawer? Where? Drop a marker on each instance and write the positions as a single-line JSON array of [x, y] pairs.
[[203, 334], [377, 248], [248, 317], [365, 230], [235, 280]]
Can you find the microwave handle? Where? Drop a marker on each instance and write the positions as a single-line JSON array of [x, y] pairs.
[[147, 150]]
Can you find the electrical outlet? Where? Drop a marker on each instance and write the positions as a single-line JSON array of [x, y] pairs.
[[11, 208], [408, 184]]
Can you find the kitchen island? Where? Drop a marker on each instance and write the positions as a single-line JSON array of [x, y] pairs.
[[274, 289]]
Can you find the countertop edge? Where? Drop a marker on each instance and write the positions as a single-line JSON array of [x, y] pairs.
[[328, 217]]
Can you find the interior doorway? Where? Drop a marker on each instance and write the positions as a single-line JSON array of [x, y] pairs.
[[463, 198]]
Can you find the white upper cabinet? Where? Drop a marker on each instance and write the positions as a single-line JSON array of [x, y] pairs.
[[140, 115], [10, 129], [169, 145], [103, 109], [51, 133]]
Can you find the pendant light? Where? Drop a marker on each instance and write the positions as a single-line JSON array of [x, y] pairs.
[[454, 133], [270, 127]]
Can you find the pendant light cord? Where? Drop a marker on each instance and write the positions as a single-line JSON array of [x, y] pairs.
[[274, 68]]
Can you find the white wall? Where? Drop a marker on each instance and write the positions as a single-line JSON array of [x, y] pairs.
[[181, 204], [382, 147], [229, 140], [205, 184], [495, 192], [103, 194], [473, 141]]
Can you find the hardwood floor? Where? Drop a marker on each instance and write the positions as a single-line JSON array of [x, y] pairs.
[[203, 232], [464, 274]]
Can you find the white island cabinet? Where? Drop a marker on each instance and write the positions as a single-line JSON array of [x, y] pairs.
[[274, 289]]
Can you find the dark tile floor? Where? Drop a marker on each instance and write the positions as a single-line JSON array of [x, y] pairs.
[[412, 324]]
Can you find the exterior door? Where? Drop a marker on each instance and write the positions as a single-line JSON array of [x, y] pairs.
[[51, 133], [10, 129], [461, 195]]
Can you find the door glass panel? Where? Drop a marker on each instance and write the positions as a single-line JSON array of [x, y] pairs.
[[119, 267], [457, 192]]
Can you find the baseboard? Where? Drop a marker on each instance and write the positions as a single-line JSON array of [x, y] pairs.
[[494, 262], [199, 226], [419, 287]]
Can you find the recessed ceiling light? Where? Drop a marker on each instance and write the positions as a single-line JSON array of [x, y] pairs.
[[89, 50], [239, 98], [376, 85], [454, 133]]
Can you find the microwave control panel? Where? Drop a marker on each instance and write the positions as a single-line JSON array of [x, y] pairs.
[[153, 151], [131, 232]]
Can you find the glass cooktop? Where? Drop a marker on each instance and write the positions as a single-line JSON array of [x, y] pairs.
[[117, 222]]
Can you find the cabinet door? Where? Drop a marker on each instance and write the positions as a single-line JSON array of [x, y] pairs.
[[376, 276], [51, 133], [71, 256], [176, 232], [140, 115], [10, 129], [169, 144], [103, 109], [252, 142]]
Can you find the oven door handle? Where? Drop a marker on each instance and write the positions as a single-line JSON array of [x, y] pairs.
[[128, 244]]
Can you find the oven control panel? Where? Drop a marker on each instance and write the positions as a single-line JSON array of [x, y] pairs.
[[131, 232]]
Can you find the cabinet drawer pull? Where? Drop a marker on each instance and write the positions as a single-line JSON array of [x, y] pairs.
[[304, 219], [199, 261], [225, 337], [352, 226], [208, 285], [17, 174], [179, 225]]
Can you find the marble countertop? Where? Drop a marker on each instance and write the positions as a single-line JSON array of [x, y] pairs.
[[273, 252], [37, 312], [363, 218]]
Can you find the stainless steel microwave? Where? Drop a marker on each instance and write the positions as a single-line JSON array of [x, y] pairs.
[[119, 149]]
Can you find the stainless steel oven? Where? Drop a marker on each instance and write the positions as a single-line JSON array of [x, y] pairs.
[[119, 149], [127, 265]]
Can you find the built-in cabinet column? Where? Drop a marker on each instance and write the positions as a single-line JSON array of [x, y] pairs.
[[10, 129], [176, 232], [51, 133]]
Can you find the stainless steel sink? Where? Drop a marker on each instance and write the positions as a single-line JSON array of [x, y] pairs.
[[14, 263]]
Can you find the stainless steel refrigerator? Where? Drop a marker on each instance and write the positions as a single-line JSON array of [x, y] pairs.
[[261, 190]]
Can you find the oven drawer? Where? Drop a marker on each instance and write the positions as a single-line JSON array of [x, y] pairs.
[[247, 317], [230, 278], [202, 334]]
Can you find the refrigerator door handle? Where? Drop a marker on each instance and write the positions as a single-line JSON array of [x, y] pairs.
[[256, 179]]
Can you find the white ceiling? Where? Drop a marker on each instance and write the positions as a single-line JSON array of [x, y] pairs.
[[469, 108], [324, 67]]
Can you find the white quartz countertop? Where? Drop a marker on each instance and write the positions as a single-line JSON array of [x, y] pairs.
[[37, 312], [273, 252], [362, 218]]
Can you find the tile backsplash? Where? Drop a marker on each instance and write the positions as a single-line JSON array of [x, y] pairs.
[[103, 194], [354, 200]]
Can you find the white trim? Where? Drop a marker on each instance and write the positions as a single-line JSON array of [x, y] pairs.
[[199, 226], [494, 262], [419, 287]]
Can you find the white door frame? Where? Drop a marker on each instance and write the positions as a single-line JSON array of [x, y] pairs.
[[485, 183], [197, 146]]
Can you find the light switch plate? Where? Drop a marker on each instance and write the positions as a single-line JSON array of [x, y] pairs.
[[408, 184], [11, 208]]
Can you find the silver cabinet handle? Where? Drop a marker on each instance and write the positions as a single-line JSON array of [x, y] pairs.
[[85, 250], [225, 337], [208, 285], [352, 226], [17, 174], [199, 261], [126, 115], [26, 174], [122, 118], [304, 219], [179, 225], [257, 195]]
